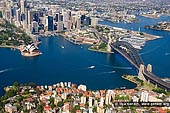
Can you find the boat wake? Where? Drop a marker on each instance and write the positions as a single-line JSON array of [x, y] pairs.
[[123, 68], [167, 54], [106, 72], [90, 67], [149, 51], [5, 70], [61, 46]]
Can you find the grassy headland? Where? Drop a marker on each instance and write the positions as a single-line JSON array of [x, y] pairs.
[[11, 36]]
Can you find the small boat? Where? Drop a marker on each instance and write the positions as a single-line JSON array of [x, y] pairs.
[[91, 67], [122, 88], [62, 47]]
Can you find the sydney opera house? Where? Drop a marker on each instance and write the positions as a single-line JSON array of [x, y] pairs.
[[30, 50]]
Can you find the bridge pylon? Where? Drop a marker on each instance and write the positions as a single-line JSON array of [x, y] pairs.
[[140, 73], [149, 68]]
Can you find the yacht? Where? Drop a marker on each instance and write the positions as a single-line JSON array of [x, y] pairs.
[[91, 67]]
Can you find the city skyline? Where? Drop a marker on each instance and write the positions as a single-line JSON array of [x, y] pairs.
[[111, 50]]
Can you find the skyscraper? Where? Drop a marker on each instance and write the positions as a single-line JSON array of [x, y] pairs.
[[60, 17], [94, 21], [12, 11], [50, 23], [60, 26], [88, 21], [34, 27], [36, 17], [78, 22], [22, 4], [57, 17], [31, 16], [18, 15]]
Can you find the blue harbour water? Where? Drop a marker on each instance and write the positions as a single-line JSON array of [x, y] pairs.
[[72, 62]]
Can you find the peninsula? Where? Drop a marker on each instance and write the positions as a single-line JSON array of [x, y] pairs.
[[160, 26], [13, 37]]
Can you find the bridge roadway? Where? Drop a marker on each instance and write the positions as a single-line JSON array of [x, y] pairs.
[[132, 56], [130, 53]]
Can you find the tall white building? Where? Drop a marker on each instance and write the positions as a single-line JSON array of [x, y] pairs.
[[82, 87], [7, 15], [135, 99], [101, 102], [90, 110], [144, 96], [78, 22], [83, 100], [94, 21], [73, 21], [109, 95], [24, 24], [35, 26], [60, 26], [18, 15], [90, 101], [22, 4]]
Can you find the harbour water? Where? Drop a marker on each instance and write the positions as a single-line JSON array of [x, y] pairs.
[[64, 61], [155, 52]]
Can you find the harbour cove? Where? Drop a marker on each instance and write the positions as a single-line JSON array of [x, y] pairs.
[[72, 62]]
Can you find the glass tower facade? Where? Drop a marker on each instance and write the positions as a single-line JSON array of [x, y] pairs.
[[50, 23]]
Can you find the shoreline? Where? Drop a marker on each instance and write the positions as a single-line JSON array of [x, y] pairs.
[[137, 85], [31, 55], [18, 48], [11, 47], [158, 29], [147, 36], [151, 16]]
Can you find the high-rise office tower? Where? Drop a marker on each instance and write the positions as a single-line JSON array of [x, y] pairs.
[[78, 22], [94, 21], [31, 16], [7, 15], [24, 24], [50, 12], [26, 16], [22, 17], [65, 19], [90, 101], [12, 11], [57, 17], [60, 26], [69, 15], [36, 17], [73, 20], [60, 17], [34, 27], [22, 4], [88, 21], [50, 23], [18, 15]]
